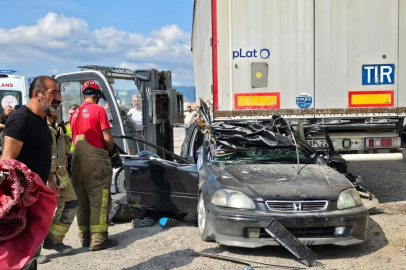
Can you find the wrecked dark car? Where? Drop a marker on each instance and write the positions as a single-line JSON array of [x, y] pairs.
[[242, 189], [240, 175]]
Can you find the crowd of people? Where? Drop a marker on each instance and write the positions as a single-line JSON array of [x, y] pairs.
[[35, 136], [74, 159]]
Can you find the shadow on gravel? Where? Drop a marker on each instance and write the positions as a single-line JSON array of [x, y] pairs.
[[128, 237], [376, 240], [383, 179], [74, 252], [171, 260]]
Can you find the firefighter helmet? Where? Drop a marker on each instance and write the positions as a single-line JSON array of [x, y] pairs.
[[91, 84]]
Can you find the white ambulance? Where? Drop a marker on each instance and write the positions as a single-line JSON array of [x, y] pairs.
[[13, 89]]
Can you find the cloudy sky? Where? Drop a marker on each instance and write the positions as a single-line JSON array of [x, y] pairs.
[[55, 36]]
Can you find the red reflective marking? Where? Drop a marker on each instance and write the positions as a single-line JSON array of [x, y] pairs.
[[351, 93], [386, 142], [276, 106]]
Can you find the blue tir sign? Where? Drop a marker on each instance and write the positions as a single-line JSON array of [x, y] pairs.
[[378, 74]]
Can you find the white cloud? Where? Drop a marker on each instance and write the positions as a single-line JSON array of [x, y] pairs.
[[51, 32], [113, 40], [134, 66], [171, 34], [58, 43]]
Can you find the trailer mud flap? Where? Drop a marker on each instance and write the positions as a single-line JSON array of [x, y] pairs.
[[304, 254]]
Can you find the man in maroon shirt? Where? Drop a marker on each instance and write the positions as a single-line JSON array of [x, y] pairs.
[[92, 162]]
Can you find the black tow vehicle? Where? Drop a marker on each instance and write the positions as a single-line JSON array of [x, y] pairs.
[[161, 107]]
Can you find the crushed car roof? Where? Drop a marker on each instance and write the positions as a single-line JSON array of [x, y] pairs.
[[248, 134]]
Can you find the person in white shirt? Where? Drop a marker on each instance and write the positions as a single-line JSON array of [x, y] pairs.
[[136, 112], [102, 102], [189, 117]]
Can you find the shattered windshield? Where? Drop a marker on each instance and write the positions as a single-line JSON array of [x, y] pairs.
[[286, 155]]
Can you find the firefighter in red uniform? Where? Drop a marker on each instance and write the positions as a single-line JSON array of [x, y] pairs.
[[93, 159]]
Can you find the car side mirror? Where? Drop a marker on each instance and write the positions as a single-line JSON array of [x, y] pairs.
[[338, 163]]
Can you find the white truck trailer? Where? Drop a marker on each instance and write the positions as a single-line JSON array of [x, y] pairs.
[[340, 64]]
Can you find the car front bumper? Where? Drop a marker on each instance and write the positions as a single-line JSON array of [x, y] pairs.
[[231, 227]]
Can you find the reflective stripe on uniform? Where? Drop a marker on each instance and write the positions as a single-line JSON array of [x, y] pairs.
[[84, 229], [65, 180], [58, 230], [103, 209], [98, 228]]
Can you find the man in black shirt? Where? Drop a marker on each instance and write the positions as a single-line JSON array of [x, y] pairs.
[[27, 137]]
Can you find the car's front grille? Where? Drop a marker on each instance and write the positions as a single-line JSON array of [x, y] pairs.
[[297, 206], [304, 232]]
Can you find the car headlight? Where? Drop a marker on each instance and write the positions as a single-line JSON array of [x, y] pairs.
[[233, 199], [348, 198]]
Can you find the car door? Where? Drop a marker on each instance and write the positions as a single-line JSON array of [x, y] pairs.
[[155, 183], [191, 144]]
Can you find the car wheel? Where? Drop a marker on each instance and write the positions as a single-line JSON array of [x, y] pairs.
[[202, 219], [120, 182]]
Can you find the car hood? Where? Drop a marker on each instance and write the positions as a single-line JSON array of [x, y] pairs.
[[282, 181]]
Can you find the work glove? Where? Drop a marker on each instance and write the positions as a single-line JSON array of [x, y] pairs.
[[116, 161]]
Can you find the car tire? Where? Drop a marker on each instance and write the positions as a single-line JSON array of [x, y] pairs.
[[202, 219], [120, 182]]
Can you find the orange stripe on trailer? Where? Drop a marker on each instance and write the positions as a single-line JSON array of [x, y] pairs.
[[371, 99], [257, 101]]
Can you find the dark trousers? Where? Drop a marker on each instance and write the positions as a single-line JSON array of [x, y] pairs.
[[69, 165]]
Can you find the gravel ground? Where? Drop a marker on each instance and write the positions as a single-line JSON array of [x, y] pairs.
[[158, 248]]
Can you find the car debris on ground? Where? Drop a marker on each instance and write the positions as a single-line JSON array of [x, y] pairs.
[[141, 223], [304, 254], [252, 264]]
